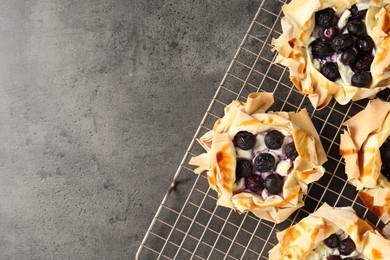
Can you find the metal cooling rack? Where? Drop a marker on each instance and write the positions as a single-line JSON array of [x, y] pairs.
[[188, 224]]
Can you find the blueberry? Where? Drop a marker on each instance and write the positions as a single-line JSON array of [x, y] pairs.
[[361, 79], [321, 49], [356, 28], [332, 241], [244, 140], [347, 246], [354, 11], [330, 33], [362, 63], [330, 70], [291, 151], [273, 184], [254, 183], [264, 162], [356, 14], [334, 257], [342, 42], [244, 168], [274, 139], [325, 17], [365, 44], [348, 56]]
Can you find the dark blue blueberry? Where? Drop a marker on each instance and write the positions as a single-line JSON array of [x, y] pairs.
[[274, 139], [244, 168], [354, 11], [333, 257], [332, 241], [347, 246], [356, 14], [361, 79], [330, 33], [244, 140], [348, 56], [330, 70], [342, 42], [264, 162], [325, 17], [255, 184], [321, 49], [290, 151], [356, 28], [365, 44], [362, 63], [273, 184]]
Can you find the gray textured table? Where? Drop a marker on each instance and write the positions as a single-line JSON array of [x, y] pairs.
[[98, 101]]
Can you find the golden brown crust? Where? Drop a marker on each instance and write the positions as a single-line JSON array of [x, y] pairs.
[[220, 159], [359, 146], [294, 51], [297, 241]]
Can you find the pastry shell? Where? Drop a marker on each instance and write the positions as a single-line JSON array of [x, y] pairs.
[[295, 53], [297, 241], [359, 146], [220, 158]]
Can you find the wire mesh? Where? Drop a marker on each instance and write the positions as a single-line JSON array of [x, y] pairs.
[[188, 224]]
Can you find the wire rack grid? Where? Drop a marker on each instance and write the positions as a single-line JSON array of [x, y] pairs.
[[188, 224]]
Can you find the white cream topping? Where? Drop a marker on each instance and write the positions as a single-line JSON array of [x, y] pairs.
[[244, 154], [346, 72], [264, 194], [317, 64], [343, 19], [320, 252], [260, 144], [283, 167]]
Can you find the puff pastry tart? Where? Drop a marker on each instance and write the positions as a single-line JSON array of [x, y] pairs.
[[365, 146], [261, 162], [331, 233], [336, 48]]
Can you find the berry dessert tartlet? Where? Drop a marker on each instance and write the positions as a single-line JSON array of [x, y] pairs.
[[332, 234], [365, 146], [336, 48], [261, 162]]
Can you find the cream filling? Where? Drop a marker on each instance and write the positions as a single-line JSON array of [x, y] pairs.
[[246, 154], [283, 167], [260, 144], [343, 19], [346, 72]]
